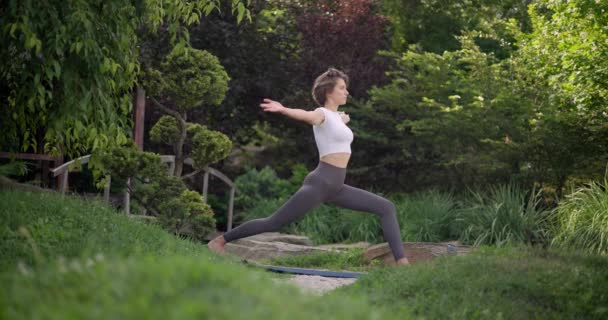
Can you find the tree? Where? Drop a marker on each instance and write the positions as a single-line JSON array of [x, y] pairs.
[[435, 25], [179, 210], [69, 67], [188, 79], [346, 35], [450, 119], [559, 68]]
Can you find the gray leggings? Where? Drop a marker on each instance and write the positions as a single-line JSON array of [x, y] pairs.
[[326, 184]]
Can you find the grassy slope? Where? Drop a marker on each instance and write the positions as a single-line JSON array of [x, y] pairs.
[[96, 263], [119, 268]]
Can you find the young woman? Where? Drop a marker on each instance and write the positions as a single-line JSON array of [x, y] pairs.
[[325, 184]]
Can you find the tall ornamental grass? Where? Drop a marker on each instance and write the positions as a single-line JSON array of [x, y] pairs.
[[582, 219], [501, 215]]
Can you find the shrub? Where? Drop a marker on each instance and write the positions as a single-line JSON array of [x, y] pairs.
[[503, 214], [582, 219]]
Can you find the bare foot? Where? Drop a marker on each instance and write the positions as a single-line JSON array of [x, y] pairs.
[[217, 245], [403, 261]]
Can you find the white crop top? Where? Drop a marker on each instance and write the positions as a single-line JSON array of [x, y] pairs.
[[332, 135]]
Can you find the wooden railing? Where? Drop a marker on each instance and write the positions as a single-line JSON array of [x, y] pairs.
[[65, 168]]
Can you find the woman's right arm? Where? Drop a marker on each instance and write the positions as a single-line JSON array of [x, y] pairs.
[[311, 117]]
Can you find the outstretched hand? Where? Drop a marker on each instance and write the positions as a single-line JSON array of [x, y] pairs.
[[345, 117], [271, 106]]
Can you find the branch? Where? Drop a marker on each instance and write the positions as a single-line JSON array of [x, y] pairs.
[[172, 112], [192, 174], [143, 203], [181, 119]]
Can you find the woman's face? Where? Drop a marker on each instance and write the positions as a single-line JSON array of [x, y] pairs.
[[339, 94]]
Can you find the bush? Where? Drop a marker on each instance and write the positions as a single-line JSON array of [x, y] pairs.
[[582, 219], [426, 216], [257, 185], [504, 214], [179, 210]]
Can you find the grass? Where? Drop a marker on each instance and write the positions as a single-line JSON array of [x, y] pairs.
[[582, 219], [503, 214], [72, 227], [95, 263], [492, 283], [499, 215], [81, 259], [346, 260]]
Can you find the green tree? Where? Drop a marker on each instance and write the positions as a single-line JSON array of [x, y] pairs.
[[188, 79], [164, 196], [560, 63], [449, 119], [69, 67], [436, 24]]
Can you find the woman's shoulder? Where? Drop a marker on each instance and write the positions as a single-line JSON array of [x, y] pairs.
[[319, 115]]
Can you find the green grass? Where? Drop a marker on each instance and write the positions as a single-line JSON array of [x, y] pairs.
[[95, 263], [72, 227], [503, 214], [582, 219], [165, 287], [347, 260], [492, 283]]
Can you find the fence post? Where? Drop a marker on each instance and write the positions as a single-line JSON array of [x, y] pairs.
[[230, 207], [106, 190], [205, 186]]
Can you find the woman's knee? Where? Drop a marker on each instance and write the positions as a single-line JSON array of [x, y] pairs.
[[387, 207]]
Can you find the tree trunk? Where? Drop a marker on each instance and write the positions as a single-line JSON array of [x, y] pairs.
[[140, 111], [179, 147]]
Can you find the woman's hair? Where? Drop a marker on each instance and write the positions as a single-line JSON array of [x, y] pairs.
[[325, 83]]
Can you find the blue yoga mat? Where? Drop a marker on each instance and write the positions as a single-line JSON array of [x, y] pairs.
[[314, 272]]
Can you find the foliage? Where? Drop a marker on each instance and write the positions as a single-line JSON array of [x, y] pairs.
[[69, 68], [504, 214], [582, 219], [188, 78], [13, 168], [165, 131], [257, 185], [191, 78], [453, 119], [187, 214], [558, 69], [569, 41], [207, 146], [328, 27], [505, 283], [95, 258], [435, 25], [179, 210], [261, 58], [427, 216]]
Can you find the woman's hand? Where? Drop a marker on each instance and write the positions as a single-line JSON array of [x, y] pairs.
[[272, 106], [345, 117]]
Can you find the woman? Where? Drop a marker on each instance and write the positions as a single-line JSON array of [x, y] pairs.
[[325, 184]]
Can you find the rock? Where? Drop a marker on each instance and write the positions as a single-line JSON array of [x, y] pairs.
[[340, 246], [257, 247], [415, 251], [282, 237]]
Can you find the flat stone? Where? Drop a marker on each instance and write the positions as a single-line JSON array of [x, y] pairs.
[[341, 246], [415, 251], [281, 237], [258, 250]]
